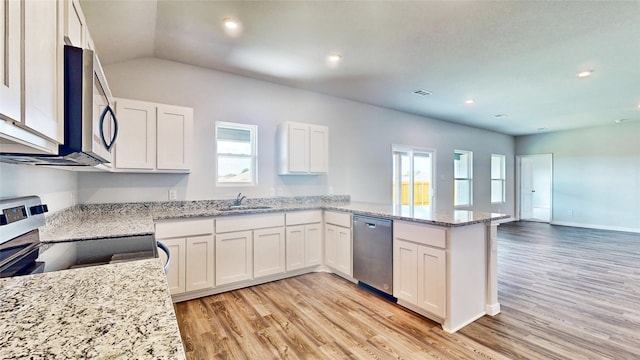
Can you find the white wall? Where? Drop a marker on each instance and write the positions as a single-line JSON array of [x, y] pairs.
[[57, 188], [360, 139], [596, 174]]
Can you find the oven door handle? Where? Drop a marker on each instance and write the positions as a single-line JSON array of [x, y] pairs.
[[165, 249]]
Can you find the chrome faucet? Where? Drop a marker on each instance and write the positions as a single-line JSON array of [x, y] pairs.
[[239, 199]]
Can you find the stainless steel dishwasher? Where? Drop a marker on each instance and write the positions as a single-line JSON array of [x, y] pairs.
[[373, 252]]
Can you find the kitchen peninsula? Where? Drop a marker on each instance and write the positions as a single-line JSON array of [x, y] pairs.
[[467, 240]]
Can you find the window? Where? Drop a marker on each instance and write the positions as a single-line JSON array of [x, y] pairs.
[[236, 153], [498, 179], [463, 178], [412, 178]]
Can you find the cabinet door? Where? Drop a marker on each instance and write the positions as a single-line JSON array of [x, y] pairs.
[[199, 264], [136, 146], [10, 72], [331, 245], [174, 137], [295, 241], [234, 257], [318, 149], [74, 24], [43, 65], [344, 250], [312, 244], [298, 150], [405, 271], [176, 273], [432, 280], [268, 252]]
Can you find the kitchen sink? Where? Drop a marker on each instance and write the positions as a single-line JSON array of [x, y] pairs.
[[244, 207]]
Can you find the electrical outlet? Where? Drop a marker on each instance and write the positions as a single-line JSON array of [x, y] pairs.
[[272, 192], [173, 194], [330, 190], [280, 191], [570, 212]]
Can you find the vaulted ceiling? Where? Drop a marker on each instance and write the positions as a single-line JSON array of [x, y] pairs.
[[517, 60]]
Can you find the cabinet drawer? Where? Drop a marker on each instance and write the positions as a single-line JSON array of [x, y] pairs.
[[248, 222], [183, 228], [303, 217], [338, 218], [421, 234]]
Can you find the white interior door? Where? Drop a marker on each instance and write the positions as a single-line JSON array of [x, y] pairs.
[[535, 190]]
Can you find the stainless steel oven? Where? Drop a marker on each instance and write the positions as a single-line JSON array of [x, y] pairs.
[[22, 252]]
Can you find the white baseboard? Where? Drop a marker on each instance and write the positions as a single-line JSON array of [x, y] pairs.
[[599, 227], [492, 309]]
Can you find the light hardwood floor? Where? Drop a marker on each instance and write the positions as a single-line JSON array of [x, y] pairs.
[[565, 293]]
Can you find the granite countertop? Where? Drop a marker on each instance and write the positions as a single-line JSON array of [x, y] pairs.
[[116, 311], [96, 221], [451, 218]]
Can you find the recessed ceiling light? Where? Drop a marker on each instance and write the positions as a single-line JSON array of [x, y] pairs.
[[500, 116], [469, 101], [585, 73], [422, 92], [230, 23], [620, 121], [334, 57], [232, 26]]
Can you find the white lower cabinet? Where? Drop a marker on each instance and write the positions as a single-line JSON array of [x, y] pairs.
[[248, 247], [405, 271], [199, 265], [432, 267], [303, 239], [268, 252], [192, 247], [234, 257], [339, 242], [176, 273], [420, 266]]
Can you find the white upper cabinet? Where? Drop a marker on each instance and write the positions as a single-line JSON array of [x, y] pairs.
[[304, 149], [32, 77], [136, 145], [174, 137], [153, 137], [318, 149], [10, 44], [76, 31], [75, 27], [43, 70]]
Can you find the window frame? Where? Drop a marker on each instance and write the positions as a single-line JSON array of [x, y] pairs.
[[468, 178], [253, 157], [502, 178], [411, 151]]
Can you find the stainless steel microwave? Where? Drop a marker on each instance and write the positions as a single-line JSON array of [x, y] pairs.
[[90, 124]]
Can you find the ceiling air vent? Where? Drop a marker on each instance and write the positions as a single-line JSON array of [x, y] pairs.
[[422, 92]]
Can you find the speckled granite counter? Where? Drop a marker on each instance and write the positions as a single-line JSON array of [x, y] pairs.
[[112, 220], [94, 221], [452, 218], [117, 311]]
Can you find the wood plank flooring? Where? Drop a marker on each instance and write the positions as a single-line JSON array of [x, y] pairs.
[[565, 293]]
